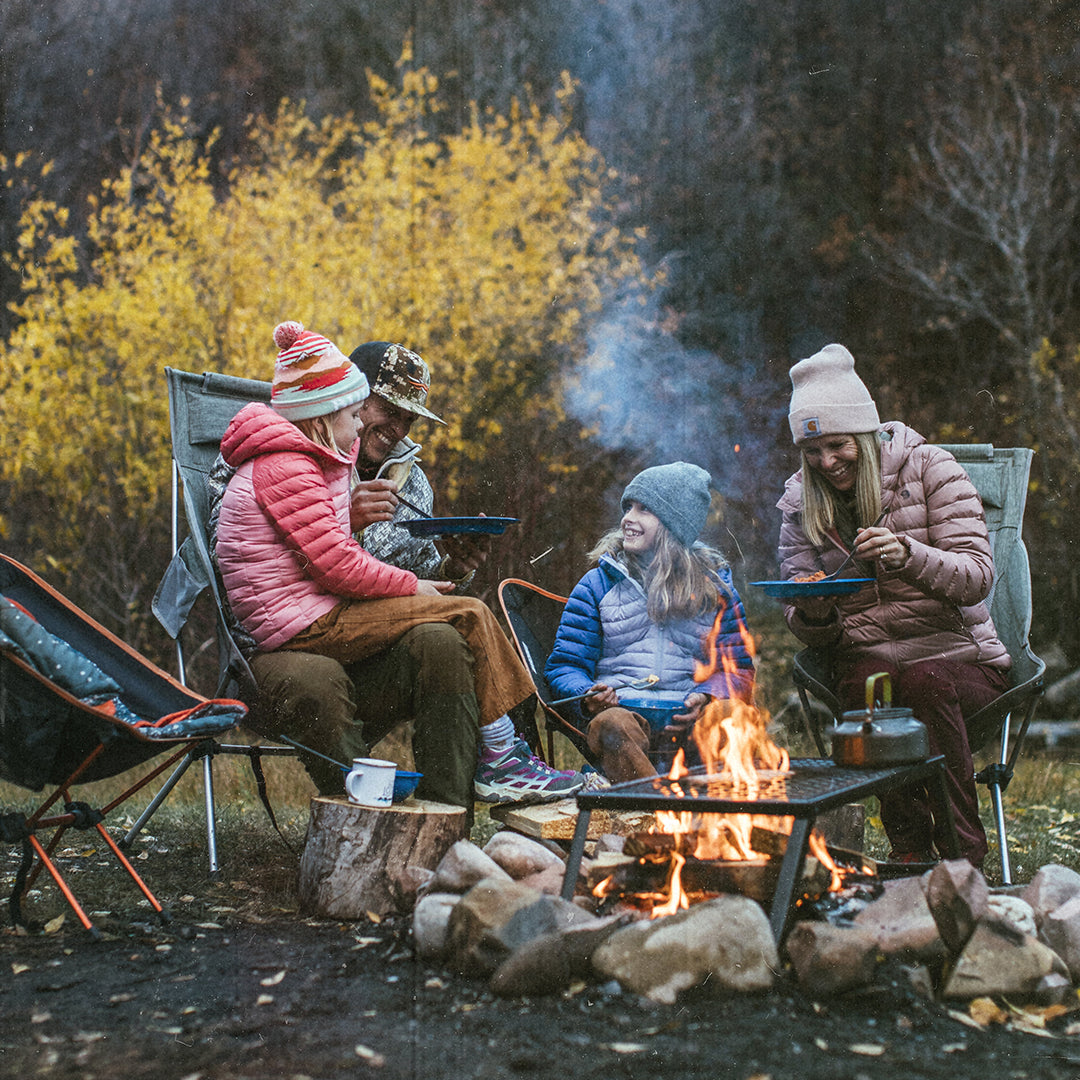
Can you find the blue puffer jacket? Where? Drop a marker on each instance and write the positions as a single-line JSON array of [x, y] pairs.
[[606, 635]]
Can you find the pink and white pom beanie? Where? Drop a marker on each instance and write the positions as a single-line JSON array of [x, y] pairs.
[[828, 398], [312, 377]]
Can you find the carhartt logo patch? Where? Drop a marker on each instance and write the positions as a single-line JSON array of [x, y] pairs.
[[811, 427]]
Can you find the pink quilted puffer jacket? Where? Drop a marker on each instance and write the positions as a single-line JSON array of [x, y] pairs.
[[932, 607], [283, 540]]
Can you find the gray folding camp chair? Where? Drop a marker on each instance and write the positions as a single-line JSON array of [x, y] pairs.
[[1001, 478], [200, 408]]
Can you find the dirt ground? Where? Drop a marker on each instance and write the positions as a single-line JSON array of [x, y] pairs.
[[239, 985]]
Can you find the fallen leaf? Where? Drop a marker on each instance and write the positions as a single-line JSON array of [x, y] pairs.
[[434, 983], [953, 1048], [272, 980], [374, 916], [867, 1049], [372, 1057], [187, 898], [18, 969], [821, 1044], [40, 1017], [265, 999], [963, 1018], [54, 924], [624, 1047], [119, 999], [985, 1011]]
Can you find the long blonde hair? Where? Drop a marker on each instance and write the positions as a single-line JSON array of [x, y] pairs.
[[680, 582], [819, 496], [320, 430]]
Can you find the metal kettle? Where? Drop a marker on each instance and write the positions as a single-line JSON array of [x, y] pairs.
[[879, 735]]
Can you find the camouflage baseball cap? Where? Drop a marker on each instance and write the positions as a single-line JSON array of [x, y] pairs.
[[397, 374]]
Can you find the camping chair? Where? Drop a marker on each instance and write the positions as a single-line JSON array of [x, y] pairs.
[[78, 705], [533, 616], [1001, 478], [200, 408]]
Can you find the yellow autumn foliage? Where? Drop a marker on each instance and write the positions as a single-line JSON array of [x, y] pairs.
[[487, 250]]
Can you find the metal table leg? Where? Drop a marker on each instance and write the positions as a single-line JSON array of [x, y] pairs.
[[790, 875], [577, 849]]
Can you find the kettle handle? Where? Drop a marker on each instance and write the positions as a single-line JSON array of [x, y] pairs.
[[886, 690]]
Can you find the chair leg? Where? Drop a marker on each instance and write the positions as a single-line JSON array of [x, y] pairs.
[[808, 719], [999, 809], [211, 820], [158, 799]]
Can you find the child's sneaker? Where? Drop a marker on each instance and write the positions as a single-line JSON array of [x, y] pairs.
[[515, 775]]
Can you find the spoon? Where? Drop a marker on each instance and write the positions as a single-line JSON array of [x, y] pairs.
[[637, 684]]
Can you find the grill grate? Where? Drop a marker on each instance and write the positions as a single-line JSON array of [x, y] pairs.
[[810, 787]]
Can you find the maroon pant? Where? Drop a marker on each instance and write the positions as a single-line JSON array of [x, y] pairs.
[[939, 693]]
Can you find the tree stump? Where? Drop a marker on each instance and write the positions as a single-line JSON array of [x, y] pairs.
[[359, 859]]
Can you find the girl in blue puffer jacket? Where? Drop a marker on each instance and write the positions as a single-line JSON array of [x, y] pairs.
[[640, 617]]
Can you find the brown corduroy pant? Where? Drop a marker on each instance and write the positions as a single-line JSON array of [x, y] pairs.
[[357, 629]]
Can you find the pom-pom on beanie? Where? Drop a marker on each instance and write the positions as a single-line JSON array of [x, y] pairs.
[[828, 398], [312, 376], [678, 494]]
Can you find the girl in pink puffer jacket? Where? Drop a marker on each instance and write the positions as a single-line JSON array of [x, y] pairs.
[[296, 579], [915, 523]]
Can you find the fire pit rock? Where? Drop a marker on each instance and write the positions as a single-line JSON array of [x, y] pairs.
[[723, 944]]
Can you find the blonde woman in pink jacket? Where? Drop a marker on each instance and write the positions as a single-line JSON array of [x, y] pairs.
[[915, 523], [296, 579]]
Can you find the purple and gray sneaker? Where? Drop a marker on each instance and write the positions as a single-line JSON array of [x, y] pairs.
[[517, 775]]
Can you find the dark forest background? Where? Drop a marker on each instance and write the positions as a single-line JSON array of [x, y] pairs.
[[900, 177]]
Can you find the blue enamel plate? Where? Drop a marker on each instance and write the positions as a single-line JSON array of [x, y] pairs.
[[793, 590], [448, 526]]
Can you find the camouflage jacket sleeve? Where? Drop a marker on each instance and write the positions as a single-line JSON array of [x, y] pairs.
[[386, 540]]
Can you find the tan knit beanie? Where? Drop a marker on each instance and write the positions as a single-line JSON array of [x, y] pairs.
[[828, 398]]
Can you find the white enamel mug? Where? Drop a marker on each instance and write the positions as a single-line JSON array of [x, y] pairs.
[[371, 781]]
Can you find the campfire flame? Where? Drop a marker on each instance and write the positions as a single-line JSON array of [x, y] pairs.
[[734, 744]]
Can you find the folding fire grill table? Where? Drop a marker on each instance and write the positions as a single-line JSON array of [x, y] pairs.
[[808, 788]]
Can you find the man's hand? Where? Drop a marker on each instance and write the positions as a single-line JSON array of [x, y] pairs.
[[371, 501], [465, 552]]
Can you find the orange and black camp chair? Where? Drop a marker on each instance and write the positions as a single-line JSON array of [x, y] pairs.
[[77, 705]]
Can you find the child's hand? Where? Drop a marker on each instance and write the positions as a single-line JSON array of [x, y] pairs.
[[371, 500], [602, 697], [433, 588], [682, 722]]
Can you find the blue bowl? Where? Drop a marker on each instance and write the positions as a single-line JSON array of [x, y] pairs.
[[405, 784], [659, 716]]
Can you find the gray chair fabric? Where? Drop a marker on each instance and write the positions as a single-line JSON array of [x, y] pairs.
[[200, 409], [1001, 478]]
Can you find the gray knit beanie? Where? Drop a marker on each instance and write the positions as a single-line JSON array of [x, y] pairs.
[[828, 398], [678, 494]]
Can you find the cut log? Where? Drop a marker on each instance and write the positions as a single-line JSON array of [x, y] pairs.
[[358, 859]]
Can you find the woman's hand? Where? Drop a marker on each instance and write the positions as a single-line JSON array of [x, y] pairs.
[[816, 609], [878, 544], [371, 501], [601, 697], [681, 723], [433, 588]]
